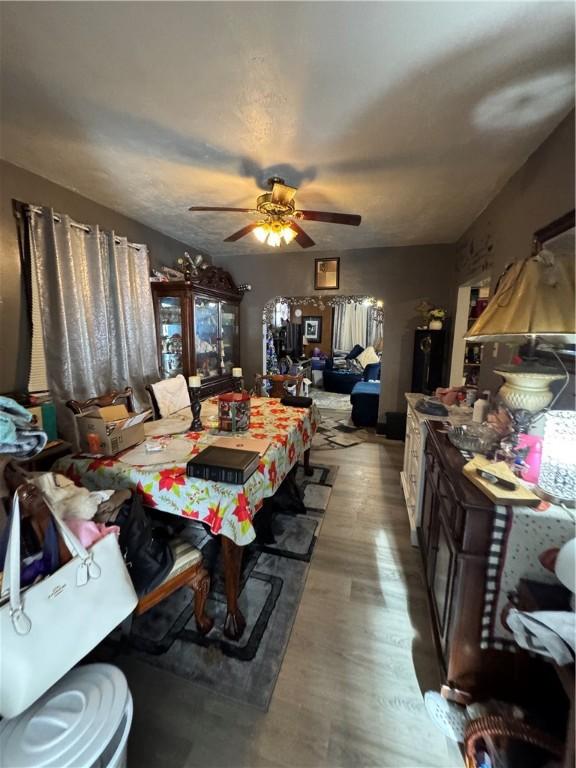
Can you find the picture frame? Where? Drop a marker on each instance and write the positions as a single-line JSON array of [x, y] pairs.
[[312, 328], [327, 274]]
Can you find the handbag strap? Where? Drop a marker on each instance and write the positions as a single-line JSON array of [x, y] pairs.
[[11, 581]]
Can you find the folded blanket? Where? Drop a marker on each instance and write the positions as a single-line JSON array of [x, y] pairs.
[[17, 436], [550, 633]]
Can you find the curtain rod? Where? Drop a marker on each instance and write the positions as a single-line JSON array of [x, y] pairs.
[[83, 227]]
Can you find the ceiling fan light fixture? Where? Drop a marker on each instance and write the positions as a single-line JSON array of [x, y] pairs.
[[274, 238], [288, 234], [261, 232]]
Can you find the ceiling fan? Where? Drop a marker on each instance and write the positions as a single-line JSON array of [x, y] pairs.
[[279, 217]]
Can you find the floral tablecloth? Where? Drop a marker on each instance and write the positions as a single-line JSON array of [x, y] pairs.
[[227, 509]]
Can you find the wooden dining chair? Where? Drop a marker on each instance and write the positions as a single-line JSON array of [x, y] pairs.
[[278, 382], [188, 568], [78, 407], [176, 396]]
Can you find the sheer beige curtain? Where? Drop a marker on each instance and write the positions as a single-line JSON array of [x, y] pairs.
[[353, 324], [96, 309]]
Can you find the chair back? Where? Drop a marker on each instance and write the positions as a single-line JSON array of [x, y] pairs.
[[168, 396], [278, 383], [78, 407]]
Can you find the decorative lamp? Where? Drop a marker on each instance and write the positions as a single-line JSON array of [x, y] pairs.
[[534, 298], [557, 478]]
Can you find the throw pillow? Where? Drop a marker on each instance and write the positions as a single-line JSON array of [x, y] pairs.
[[354, 366], [354, 352], [367, 357]]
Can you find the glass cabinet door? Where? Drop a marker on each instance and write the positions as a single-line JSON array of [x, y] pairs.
[[170, 335], [230, 346], [207, 337]]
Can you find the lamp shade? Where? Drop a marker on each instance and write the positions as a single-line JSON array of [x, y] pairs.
[[533, 297]]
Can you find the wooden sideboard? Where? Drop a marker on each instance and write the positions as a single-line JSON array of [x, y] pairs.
[[454, 536]]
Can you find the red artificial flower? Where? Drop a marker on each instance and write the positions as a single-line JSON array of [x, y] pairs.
[[273, 473], [242, 511], [97, 463], [170, 477], [74, 476], [213, 520], [147, 499]]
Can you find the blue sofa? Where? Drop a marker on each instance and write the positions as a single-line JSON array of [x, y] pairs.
[[343, 381], [365, 398]]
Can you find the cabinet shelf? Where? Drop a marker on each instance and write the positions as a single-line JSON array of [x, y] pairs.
[[199, 314]]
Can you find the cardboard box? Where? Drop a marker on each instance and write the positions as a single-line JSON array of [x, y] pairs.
[[116, 428]]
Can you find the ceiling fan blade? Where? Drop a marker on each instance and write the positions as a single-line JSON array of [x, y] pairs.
[[212, 208], [303, 240], [353, 219], [241, 232], [282, 193]]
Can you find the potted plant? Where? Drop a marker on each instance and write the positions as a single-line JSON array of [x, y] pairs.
[[436, 318]]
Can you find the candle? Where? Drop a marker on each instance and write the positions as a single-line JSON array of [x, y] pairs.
[[194, 382], [237, 373]]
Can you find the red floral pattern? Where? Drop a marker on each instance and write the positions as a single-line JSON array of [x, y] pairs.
[[227, 509]]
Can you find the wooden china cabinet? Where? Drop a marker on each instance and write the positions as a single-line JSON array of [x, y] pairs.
[[198, 328]]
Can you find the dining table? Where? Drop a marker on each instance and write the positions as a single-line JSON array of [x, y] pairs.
[[227, 510]]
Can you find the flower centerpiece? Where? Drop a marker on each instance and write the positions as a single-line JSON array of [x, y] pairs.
[[436, 318]]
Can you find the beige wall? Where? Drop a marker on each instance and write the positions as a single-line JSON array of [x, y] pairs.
[[399, 276], [16, 183], [540, 192]]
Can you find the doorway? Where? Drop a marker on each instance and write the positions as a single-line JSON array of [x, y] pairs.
[[467, 355]]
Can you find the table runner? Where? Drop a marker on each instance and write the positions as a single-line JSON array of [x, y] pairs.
[[521, 537], [227, 509]]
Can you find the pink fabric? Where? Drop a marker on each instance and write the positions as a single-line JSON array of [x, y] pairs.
[[88, 532]]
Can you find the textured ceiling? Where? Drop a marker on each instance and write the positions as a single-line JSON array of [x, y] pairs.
[[410, 114]]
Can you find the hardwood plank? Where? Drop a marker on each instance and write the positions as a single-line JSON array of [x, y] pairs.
[[350, 688]]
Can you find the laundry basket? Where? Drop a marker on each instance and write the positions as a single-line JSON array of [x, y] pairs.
[[81, 722]]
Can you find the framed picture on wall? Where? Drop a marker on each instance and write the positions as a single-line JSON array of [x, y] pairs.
[[326, 274], [312, 329]]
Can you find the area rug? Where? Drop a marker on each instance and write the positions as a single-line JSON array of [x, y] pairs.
[[330, 400], [335, 433], [273, 580]]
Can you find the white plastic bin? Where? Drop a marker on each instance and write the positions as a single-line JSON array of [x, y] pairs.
[[81, 722]]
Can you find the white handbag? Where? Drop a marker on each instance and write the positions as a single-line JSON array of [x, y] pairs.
[[48, 627]]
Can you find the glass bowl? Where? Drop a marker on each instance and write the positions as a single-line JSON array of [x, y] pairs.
[[477, 438]]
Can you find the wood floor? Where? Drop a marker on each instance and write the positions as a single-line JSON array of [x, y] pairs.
[[360, 654]]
